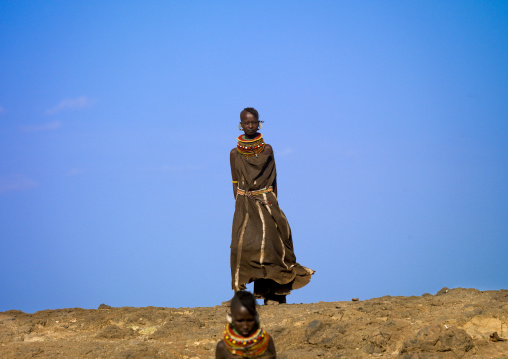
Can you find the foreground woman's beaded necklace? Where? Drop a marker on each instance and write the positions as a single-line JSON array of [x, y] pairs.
[[250, 147], [246, 347]]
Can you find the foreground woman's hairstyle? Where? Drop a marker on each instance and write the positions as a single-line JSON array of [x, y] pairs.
[[244, 299]]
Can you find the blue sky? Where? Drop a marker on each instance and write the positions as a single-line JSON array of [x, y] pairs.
[[389, 122]]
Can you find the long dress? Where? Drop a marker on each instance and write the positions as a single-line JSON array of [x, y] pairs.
[[261, 245]]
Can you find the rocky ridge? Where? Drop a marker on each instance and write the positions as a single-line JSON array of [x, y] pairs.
[[456, 323]]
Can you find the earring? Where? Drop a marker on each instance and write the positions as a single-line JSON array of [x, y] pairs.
[[240, 126], [260, 125], [257, 318], [229, 318]]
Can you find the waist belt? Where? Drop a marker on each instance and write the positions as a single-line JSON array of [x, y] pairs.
[[251, 194], [243, 192]]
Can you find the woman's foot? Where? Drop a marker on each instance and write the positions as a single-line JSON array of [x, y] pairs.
[[274, 299]]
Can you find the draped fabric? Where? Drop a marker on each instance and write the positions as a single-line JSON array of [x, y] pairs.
[[261, 244]]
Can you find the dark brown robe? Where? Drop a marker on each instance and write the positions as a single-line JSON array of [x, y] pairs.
[[261, 244]]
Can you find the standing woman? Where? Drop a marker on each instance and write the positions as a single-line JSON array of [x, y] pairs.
[[261, 245]]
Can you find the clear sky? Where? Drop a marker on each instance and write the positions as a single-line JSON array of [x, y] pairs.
[[389, 122]]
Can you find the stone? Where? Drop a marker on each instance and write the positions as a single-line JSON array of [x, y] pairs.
[[443, 291], [481, 327], [438, 338], [115, 332], [312, 328], [501, 296]]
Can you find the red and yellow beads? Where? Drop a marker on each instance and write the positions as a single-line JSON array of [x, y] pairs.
[[246, 347], [250, 147]]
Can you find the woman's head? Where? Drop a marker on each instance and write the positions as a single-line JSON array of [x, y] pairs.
[[249, 121], [250, 110], [244, 314]]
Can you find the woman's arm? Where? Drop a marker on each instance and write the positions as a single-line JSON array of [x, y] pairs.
[[271, 348], [220, 351], [233, 170]]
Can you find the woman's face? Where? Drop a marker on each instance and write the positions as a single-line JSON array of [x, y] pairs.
[[244, 322], [249, 123]]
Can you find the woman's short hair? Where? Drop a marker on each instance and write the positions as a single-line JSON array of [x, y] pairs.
[[252, 111], [244, 299]]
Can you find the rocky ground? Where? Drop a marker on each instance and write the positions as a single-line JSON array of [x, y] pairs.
[[456, 323]]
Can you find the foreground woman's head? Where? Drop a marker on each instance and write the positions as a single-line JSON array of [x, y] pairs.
[[244, 337], [244, 316], [249, 121]]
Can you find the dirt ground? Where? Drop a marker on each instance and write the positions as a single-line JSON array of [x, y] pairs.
[[456, 323]]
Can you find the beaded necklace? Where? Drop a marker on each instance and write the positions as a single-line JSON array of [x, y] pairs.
[[246, 347], [250, 147]]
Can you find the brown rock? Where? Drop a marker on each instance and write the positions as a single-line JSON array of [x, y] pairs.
[[115, 332], [443, 290], [140, 351], [438, 338], [482, 326], [501, 296], [312, 328]]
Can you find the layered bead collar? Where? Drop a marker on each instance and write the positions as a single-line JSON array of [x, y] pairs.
[[250, 147], [246, 347]]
